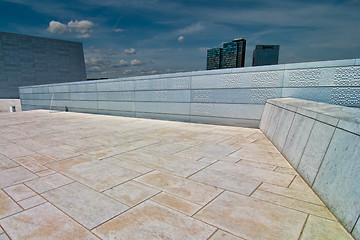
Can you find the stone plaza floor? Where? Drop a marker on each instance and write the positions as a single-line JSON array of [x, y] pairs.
[[82, 176]]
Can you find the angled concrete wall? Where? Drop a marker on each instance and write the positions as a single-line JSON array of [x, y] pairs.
[[228, 96], [29, 60], [322, 142]]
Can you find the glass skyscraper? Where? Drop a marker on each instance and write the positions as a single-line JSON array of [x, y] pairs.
[[231, 55], [266, 55]]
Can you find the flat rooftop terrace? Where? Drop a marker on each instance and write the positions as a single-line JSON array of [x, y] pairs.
[[81, 176]]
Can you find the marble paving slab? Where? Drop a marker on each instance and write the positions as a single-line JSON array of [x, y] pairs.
[[67, 175]]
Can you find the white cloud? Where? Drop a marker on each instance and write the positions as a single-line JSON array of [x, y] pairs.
[[130, 51], [136, 62], [84, 28], [123, 63], [57, 27], [181, 39], [194, 28]]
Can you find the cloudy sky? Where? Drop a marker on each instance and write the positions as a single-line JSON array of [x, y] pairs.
[[138, 37]]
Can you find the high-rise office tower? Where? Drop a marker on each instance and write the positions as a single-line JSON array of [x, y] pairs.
[[266, 55], [214, 57], [232, 55]]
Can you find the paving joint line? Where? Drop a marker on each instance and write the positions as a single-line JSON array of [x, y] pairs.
[[208, 203], [302, 230]]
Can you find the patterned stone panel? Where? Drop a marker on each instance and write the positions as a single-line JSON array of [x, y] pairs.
[[27, 102], [59, 88], [247, 111], [117, 113], [163, 107], [45, 102], [255, 95], [347, 76], [25, 90], [26, 96], [62, 96], [348, 96], [116, 96], [320, 94], [43, 89], [302, 77], [162, 116], [238, 80], [163, 96], [116, 85], [262, 94], [89, 96], [163, 83], [232, 80], [208, 81], [83, 104], [83, 87], [27, 107], [60, 103], [123, 106], [267, 79]]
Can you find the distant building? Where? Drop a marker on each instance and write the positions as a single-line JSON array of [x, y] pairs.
[[214, 58], [266, 55], [29, 60], [234, 54], [231, 55]]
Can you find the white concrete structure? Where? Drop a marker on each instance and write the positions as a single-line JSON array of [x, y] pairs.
[[10, 105], [322, 142], [228, 96]]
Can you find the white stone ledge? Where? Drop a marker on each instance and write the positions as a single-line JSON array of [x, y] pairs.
[[322, 142], [346, 118]]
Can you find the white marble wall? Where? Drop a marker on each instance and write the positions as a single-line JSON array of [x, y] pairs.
[[228, 96], [322, 142]]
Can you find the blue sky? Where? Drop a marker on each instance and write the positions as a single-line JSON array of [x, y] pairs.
[[140, 37]]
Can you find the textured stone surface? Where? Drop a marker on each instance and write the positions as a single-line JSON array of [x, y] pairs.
[[44, 222], [49, 182], [248, 217], [154, 221], [85, 205], [8, 206], [324, 152], [131, 193], [225, 180], [19, 192], [315, 150], [338, 178], [356, 230], [169, 180], [96, 174], [14, 176], [31, 202], [187, 189], [221, 235], [176, 203], [319, 228], [297, 139]]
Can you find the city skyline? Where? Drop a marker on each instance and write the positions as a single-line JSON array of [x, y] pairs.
[[123, 38], [230, 55]]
